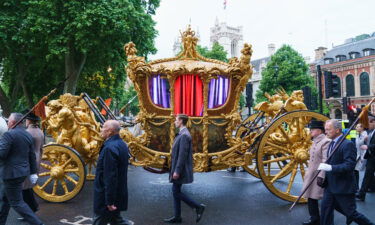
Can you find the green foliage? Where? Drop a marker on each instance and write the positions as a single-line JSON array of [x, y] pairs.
[[242, 101], [217, 52], [286, 69], [41, 42]]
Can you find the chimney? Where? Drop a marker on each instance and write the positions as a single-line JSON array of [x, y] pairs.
[[271, 49], [320, 53]]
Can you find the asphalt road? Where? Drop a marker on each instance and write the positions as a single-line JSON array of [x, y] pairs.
[[231, 199]]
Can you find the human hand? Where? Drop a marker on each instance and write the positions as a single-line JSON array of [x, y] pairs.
[[33, 178], [325, 167], [111, 207], [364, 147], [175, 176], [320, 182]]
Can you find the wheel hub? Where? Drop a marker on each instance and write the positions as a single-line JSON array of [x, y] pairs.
[[57, 172], [301, 155]]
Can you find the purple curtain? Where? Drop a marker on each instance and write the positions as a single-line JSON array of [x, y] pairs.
[[159, 91], [218, 92]]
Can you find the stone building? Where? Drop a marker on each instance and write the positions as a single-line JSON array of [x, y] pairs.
[[354, 63]]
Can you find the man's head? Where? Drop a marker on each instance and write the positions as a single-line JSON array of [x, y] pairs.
[[110, 128], [13, 119], [181, 120], [333, 129], [359, 127], [371, 122], [316, 128]]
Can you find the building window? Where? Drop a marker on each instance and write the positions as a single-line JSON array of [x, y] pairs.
[[354, 55], [340, 58], [328, 60], [338, 114], [338, 81], [364, 84], [233, 48], [368, 51], [350, 91]]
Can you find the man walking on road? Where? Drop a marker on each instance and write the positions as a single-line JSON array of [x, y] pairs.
[[18, 158], [182, 170], [111, 180], [340, 184]]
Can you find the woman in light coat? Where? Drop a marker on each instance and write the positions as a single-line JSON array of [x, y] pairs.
[[361, 161], [318, 154]]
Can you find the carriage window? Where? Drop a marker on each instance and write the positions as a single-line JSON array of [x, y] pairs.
[[188, 97], [218, 92], [159, 91]]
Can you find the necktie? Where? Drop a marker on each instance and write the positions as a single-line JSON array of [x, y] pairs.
[[330, 148]]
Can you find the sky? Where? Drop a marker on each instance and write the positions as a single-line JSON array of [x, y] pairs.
[[305, 25]]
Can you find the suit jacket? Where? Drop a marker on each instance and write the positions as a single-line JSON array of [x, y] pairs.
[[370, 153], [17, 154], [38, 138], [341, 179], [111, 179], [182, 158]]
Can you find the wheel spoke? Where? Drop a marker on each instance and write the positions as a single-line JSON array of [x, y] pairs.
[[282, 172], [69, 178], [285, 135], [71, 170], [46, 183], [63, 184], [278, 159], [291, 180], [45, 166], [54, 187], [302, 169], [278, 147], [44, 174], [67, 162]]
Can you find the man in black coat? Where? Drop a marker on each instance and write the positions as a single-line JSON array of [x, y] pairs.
[[111, 185], [182, 170], [340, 184], [370, 156], [18, 158]]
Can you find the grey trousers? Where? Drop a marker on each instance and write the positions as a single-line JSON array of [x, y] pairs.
[[13, 198]]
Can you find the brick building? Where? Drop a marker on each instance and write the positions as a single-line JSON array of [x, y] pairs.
[[354, 63]]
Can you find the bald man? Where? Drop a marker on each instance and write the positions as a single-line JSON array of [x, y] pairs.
[[110, 185]]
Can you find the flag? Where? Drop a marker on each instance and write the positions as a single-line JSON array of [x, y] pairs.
[[107, 103], [225, 4], [364, 117], [40, 109]]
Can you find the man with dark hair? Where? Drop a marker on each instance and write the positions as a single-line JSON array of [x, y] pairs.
[[182, 170], [340, 184], [18, 156], [370, 156], [111, 180]]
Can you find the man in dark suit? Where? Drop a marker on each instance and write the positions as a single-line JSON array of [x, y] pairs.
[[182, 170], [18, 156], [340, 184], [111, 185], [370, 156]]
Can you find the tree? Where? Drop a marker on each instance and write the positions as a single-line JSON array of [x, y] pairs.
[[217, 52], [41, 42], [286, 69]]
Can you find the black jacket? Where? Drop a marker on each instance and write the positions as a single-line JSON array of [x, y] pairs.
[[341, 179], [111, 179], [370, 153], [17, 154], [182, 158]]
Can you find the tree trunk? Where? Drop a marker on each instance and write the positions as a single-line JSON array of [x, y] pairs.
[[5, 103], [74, 62], [26, 92]]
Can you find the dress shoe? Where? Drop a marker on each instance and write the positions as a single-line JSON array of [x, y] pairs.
[[310, 222], [173, 220], [360, 197], [200, 211]]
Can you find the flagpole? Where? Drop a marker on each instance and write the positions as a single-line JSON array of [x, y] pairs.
[[334, 150]]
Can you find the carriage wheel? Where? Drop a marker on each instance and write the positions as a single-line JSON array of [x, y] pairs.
[[61, 175], [284, 152], [241, 132]]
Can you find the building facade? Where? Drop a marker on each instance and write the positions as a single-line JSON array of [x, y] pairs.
[[354, 64]]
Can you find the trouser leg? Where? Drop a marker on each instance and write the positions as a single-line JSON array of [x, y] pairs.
[[4, 211], [183, 197], [28, 197], [348, 206], [326, 209], [13, 192], [369, 173], [356, 174], [176, 190], [313, 207]]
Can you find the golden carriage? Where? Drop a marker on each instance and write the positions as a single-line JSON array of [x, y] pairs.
[[271, 144]]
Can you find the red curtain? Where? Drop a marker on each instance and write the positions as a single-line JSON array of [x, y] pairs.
[[188, 97]]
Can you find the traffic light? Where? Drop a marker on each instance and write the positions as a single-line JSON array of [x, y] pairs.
[[331, 85], [345, 104], [307, 97], [249, 95]]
